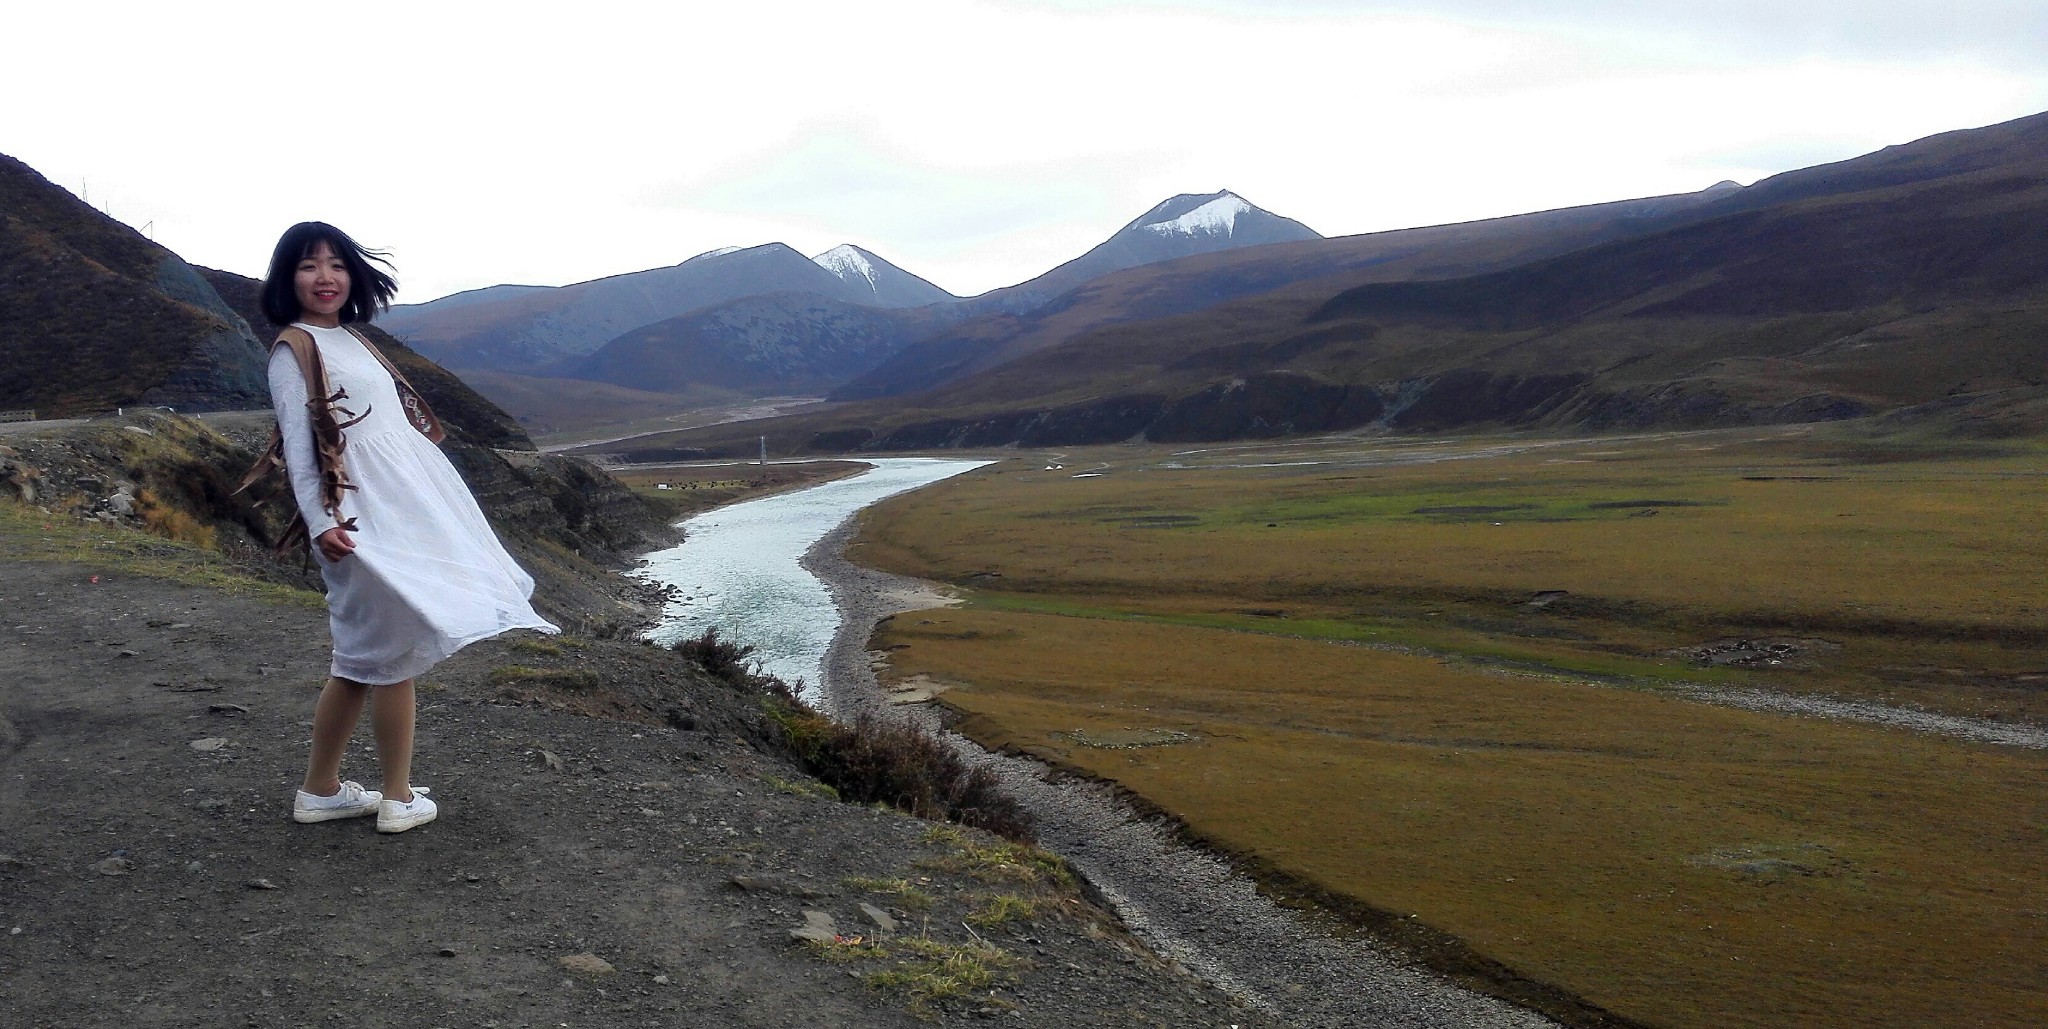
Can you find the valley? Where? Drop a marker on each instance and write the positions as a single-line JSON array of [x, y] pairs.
[[1484, 697], [1634, 611]]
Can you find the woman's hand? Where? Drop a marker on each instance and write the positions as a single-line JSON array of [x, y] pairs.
[[335, 544]]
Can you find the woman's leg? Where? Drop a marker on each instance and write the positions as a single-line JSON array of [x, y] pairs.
[[334, 721], [391, 717]]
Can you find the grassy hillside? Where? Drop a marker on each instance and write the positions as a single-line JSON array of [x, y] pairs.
[[93, 316]]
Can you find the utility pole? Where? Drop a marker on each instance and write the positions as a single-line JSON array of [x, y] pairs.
[[764, 451]]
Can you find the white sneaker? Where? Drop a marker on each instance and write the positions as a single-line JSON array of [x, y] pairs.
[[348, 802], [397, 816]]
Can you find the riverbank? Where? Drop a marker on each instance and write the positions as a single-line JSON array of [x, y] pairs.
[[1189, 905], [693, 488]]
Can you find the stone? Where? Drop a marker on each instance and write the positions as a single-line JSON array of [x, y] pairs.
[[261, 884], [210, 743], [880, 917], [587, 964], [817, 926], [114, 866]]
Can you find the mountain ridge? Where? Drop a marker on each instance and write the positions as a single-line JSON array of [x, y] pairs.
[[1916, 280]]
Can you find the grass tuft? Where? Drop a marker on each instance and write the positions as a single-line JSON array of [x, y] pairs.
[[944, 971], [1002, 909], [800, 788], [1004, 862], [563, 678], [907, 895]]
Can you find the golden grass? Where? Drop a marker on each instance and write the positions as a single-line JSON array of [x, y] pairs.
[[1679, 863], [1931, 573], [29, 534], [1358, 700]]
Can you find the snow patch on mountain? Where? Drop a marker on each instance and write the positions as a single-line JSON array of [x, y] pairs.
[[848, 262], [720, 252], [1215, 218]]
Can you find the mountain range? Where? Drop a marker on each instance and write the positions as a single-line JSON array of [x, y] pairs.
[[766, 320], [524, 328], [1912, 281]]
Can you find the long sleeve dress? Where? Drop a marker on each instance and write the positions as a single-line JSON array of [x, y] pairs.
[[428, 576]]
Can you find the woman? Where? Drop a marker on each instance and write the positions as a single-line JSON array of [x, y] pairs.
[[413, 571]]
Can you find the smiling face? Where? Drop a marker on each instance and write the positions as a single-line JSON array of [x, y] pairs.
[[321, 284]]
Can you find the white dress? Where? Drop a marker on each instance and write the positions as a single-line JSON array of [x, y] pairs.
[[428, 576]]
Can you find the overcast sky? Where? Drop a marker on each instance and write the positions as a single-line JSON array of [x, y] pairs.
[[974, 143]]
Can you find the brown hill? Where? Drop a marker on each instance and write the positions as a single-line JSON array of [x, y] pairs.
[[93, 316]]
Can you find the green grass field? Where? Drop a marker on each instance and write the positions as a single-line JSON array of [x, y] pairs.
[[1335, 671]]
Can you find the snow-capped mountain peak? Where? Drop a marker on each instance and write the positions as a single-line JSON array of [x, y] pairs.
[[1218, 217], [848, 262]]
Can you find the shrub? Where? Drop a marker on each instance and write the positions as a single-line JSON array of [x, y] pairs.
[[874, 760], [877, 760], [722, 658]]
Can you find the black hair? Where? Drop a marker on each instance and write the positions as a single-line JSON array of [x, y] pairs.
[[369, 289]]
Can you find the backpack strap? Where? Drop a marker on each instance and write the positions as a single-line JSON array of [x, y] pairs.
[[416, 410], [328, 441]]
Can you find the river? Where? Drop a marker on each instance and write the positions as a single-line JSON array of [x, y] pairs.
[[741, 568], [737, 568]]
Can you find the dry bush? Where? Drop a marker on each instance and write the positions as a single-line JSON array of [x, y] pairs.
[[873, 760], [877, 760], [723, 658], [172, 523]]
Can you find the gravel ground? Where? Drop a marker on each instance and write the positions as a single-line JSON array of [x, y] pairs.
[[1976, 730], [1185, 903], [616, 846]]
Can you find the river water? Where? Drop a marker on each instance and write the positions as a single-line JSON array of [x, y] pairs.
[[737, 568]]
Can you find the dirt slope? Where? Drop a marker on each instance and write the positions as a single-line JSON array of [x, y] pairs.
[[146, 881]]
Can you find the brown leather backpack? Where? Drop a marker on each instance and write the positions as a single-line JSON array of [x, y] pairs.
[[323, 401]]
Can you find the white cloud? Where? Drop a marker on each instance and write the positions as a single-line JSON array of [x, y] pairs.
[[976, 143]]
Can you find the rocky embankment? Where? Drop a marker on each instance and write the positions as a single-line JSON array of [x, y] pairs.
[[568, 522]]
